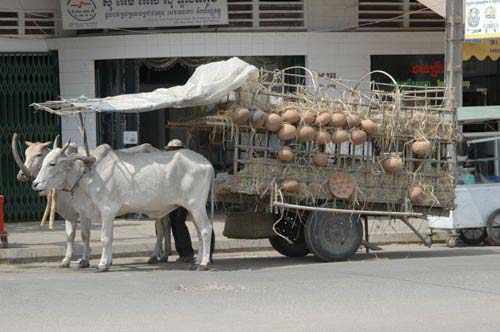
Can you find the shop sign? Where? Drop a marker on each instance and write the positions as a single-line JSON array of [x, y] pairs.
[[482, 49], [410, 70], [109, 14], [482, 19]]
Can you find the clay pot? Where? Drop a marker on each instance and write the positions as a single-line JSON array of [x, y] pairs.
[[352, 120], [309, 118], [241, 116], [285, 154], [273, 122], [291, 116], [259, 119], [393, 165], [358, 137], [287, 132], [421, 148], [370, 127], [340, 136], [416, 195], [323, 137], [338, 120], [342, 185], [306, 134], [320, 159], [290, 186], [323, 119]]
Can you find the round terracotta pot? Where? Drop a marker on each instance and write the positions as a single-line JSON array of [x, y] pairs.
[[306, 134], [309, 118], [416, 195], [241, 116], [353, 120], [370, 127], [285, 154], [259, 119], [290, 186], [421, 148], [323, 137], [358, 137], [393, 165], [323, 119], [291, 116], [273, 122], [340, 136], [338, 120], [320, 159], [287, 132]]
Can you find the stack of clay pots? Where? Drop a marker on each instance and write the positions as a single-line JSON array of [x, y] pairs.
[[309, 126]]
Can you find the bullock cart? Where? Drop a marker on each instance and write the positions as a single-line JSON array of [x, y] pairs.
[[316, 160]]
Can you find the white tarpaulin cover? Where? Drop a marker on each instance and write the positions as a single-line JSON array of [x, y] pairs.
[[438, 6], [209, 84]]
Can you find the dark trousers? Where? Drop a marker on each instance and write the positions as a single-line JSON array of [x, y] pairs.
[[182, 239]]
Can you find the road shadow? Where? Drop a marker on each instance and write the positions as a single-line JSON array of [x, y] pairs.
[[265, 262]]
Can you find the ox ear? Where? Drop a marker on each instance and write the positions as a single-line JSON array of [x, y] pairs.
[[46, 144], [28, 143]]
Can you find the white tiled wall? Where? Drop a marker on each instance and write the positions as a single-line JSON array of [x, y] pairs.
[[346, 53]]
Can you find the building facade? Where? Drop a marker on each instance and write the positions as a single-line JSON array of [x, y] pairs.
[[340, 38]]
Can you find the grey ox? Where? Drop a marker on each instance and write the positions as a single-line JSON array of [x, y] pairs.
[[35, 154], [112, 183]]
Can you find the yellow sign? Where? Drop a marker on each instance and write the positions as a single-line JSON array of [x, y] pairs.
[[485, 48]]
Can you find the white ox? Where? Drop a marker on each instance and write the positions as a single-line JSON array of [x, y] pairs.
[[114, 183], [35, 154]]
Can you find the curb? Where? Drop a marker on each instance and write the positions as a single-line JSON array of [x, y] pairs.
[[56, 253]]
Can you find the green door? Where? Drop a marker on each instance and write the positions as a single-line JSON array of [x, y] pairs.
[[25, 78]]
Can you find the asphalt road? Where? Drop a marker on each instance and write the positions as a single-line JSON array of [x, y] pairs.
[[405, 288]]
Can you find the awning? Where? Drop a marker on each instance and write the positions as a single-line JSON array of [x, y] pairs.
[[485, 48], [438, 6], [477, 114]]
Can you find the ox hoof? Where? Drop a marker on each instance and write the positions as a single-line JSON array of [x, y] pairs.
[[64, 264], [102, 268], [83, 263], [196, 267], [153, 260], [163, 259]]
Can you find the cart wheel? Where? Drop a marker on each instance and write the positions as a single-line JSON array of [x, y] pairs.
[[473, 235], [493, 227], [296, 249], [333, 237]]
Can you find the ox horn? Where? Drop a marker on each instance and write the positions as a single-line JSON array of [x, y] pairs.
[[15, 153], [66, 146], [57, 142]]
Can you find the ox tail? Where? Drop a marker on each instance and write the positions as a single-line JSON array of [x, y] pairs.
[[212, 202]]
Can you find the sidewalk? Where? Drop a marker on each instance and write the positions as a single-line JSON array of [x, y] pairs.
[[28, 242]]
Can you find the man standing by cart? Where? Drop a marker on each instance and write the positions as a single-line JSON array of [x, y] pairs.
[[182, 238]]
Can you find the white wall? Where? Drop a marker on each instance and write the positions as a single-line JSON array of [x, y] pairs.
[[331, 15], [345, 53]]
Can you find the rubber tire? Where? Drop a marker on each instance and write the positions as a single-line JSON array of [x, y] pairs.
[[319, 226], [470, 241], [296, 249], [491, 235]]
